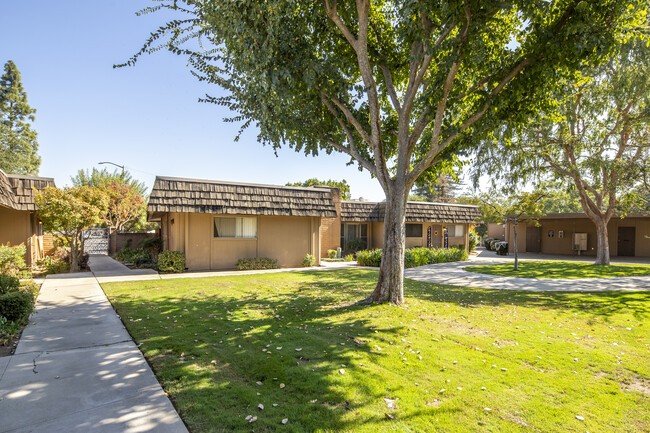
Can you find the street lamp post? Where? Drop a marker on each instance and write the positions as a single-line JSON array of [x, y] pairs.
[[116, 165]]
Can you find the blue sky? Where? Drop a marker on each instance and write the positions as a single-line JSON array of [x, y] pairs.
[[146, 117]]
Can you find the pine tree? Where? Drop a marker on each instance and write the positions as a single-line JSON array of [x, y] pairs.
[[18, 145]]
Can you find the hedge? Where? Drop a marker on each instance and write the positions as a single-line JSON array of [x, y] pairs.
[[16, 305], [253, 263], [171, 262], [414, 257]]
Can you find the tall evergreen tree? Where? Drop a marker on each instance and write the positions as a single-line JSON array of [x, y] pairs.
[[18, 145]]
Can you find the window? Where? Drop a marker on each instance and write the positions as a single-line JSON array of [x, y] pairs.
[[354, 236], [455, 230], [413, 230], [235, 227]]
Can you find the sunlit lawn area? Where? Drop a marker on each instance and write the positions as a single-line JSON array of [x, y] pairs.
[[450, 360], [559, 269]]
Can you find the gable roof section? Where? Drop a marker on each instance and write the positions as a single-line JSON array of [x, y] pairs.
[[354, 211], [7, 198], [17, 191], [216, 197]]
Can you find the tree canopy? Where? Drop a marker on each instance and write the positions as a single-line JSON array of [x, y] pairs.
[[596, 137], [126, 203], [340, 184], [401, 87], [69, 212], [18, 144]]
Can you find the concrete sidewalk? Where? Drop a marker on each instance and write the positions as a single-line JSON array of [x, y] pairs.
[[109, 270], [76, 369], [454, 274]]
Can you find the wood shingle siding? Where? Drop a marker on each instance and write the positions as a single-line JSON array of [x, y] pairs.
[[355, 211], [17, 191], [217, 197]]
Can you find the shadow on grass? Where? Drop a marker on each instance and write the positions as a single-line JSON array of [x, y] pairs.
[[221, 346], [219, 354]]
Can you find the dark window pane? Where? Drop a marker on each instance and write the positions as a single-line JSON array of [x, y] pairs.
[[413, 230]]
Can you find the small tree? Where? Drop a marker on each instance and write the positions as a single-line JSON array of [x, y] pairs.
[[18, 145], [126, 202], [69, 212]]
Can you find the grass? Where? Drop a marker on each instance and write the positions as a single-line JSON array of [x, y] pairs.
[[553, 269], [221, 346]]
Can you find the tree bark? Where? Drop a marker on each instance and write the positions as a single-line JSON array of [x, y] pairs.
[[602, 237], [514, 245], [390, 286]]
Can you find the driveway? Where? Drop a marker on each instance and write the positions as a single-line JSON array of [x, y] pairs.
[[455, 274]]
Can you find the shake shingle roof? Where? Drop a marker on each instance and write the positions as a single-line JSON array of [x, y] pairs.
[[218, 197], [17, 191], [354, 211]]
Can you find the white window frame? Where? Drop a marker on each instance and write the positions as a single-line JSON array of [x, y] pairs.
[[239, 225]]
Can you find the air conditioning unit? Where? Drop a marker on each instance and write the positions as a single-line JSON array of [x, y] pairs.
[[580, 242]]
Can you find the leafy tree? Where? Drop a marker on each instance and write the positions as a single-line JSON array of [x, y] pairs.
[[399, 86], [18, 145], [103, 177], [442, 189], [69, 212], [598, 139], [126, 203], [561, 200], [342, 185]]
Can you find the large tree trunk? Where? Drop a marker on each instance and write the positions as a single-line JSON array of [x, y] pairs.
[[602, 238], [390, 287]]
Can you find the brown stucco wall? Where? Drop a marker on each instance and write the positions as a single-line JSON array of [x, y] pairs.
[[21, 227], [330, 228], [563, 246], [496, 231], [287, 239]]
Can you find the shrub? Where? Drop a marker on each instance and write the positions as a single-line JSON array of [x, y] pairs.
[[369, 257], [54, 265], [252, 263], [7, 330], [415, 256], [135, 256], [349, 258], [332, 254], [8, 283], [309, 260], [473, 239], [12, 259], [172, 262], [153, 244], [16, 305]]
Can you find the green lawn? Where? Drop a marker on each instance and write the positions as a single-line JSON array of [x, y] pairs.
[[450, 360], [558, 269]]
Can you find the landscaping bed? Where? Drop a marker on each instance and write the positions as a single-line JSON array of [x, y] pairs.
[[553, 269], [450, 359]]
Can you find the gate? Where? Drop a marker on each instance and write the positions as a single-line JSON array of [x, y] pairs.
[[96, 241]]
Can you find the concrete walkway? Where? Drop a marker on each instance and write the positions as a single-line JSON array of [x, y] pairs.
[[108, 270], [455, 274], [76, 369]]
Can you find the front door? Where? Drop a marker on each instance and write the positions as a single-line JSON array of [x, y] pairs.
[[533, 239], [436, 236], [626, 241]]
